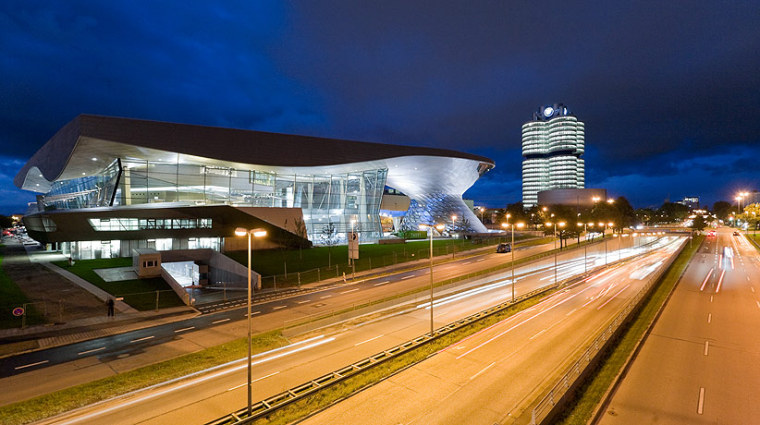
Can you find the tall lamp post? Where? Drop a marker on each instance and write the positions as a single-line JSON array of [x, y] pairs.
[[561, 224], [257, 233], [438, 227], [512, 250], [453, 226]]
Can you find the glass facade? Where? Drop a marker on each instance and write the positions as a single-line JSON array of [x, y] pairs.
[[552, 146], [132, 224], [328, 201], [84, 192]]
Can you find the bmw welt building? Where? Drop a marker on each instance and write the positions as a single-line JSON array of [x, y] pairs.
[[108, 185]]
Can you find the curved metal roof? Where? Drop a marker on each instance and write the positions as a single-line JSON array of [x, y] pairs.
[[224, 144]]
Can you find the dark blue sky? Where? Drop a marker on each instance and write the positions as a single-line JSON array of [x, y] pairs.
[[669, 91]]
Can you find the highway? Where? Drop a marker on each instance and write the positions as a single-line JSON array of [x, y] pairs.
[[215, 393], [44, 371], [268, 315], [701, 362], [495, 375]]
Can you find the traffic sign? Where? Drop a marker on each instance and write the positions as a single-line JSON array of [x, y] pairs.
[[18, 311]]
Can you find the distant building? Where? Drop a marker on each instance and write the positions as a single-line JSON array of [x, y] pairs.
[[572, 197], [552, 145], [690, 201]]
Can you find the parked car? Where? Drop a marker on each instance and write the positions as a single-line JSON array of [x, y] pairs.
[[503, 247]]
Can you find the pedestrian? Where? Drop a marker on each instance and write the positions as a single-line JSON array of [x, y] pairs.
[[110, 305]]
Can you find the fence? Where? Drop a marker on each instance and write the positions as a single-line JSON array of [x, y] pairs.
[[456, 249], [553, 400], [318, 320]]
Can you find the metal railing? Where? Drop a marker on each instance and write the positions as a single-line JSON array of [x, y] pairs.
[[456, 249], [554, 397], [269, 405]]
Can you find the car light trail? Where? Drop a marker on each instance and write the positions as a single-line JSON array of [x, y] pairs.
[[704, 282], [720, 281], [226, 370]]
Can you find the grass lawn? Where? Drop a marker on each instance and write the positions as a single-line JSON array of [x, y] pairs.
[[591, 392], [139, 293], [272, 262], [12, 297]]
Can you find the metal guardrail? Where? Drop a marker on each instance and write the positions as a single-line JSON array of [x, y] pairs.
[[314, 321], [271, 404], [561, 388]]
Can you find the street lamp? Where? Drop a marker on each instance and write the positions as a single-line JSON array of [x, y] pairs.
[[561, 224], [482, 213], [438, 227], [453, 226], [512, 250], [257, 233]]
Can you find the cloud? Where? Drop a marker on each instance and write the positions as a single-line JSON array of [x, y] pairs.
[[656, 84]]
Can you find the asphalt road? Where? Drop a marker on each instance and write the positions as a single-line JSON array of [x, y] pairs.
[[216, 393], [701, 363], [496, 374], [335, 298]]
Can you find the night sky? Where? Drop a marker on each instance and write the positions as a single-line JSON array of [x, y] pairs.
[[669, 91]]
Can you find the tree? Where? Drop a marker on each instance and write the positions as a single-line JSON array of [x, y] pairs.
[[6, 222], [721, 209], [671, 212], [328, 238], [646, 216], [751, 215], [698, 223], [626, 216]]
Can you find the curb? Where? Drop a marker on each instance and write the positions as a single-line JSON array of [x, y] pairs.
[[598, 412]]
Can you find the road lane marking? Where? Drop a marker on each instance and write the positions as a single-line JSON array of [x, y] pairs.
[[382, 283], [364, 342], [255, 380], [752, 288], [709, 317], [184, 329], [350, 290], [707, 345], [704, 282], [613, 297], [277, 307], [142, 339], [302, 302], [220, 321], [326, 296], [701, 404], [557, 296], [90, 351], [467, 262], [758, 304], [536, 335], [483, 370], [30, 365], [571, 312], [720, 281], [252, 313], [408, 277]]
